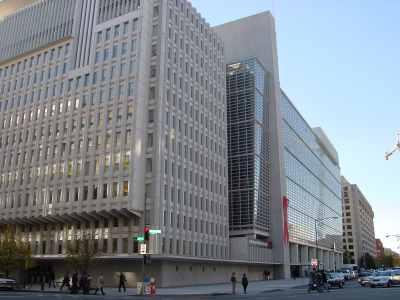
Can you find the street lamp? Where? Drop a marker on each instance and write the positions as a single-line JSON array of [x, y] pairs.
[[316, 234]]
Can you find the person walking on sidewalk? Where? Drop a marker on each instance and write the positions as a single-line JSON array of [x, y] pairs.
[[245, 283], [42, 280], [52, 279], [233, 281], [122, 281], [65, 282], [100, 285]]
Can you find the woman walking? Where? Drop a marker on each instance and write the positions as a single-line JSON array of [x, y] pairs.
[[233, 281], [245, 283], [100, 284]]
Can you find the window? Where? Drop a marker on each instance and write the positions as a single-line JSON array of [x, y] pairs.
[[156, 11], [125, 188], [105, 192], [116, 30], [114, 190], [151, 115]]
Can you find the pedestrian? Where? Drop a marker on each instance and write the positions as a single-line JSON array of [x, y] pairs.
[[75, 282], [324, 280], [65, 282], [245, 283], [268, 275], [122, 281], [100, 285], [52, 279], [42, 280], [233, 281]]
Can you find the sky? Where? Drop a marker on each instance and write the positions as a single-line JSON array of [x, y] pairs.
[[339, 63]]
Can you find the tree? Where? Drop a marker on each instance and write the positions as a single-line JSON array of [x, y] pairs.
[[81, 252], [14, 254], [367, 261], [346, 257], [386, 260]]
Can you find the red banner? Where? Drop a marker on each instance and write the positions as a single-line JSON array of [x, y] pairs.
[[285, 219]]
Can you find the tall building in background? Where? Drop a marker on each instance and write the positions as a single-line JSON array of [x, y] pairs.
[[380, 250], [247, 149], [113, 115], [284, 176], [256, 178], [358, 223], [313, 188]]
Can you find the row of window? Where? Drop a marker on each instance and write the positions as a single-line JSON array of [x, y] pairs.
[[107, 165], [62, 108], [60, 52], [120, 245], [197, 225], [116, 31], [45, 197]]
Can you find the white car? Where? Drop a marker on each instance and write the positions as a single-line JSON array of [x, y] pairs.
[[7, 283], [381, 278]]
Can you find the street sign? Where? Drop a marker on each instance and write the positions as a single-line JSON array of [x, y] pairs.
[[143, 249], [139, 238], [314, 262]]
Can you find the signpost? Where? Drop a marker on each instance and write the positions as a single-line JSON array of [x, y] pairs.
[[148, 244], [143, 249]]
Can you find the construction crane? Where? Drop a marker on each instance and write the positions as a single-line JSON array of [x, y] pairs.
[[396, 148]]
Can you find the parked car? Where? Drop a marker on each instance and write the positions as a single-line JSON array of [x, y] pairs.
[[346, 273], [336, 280], [381, 278], [7, 283], [395, 278], [364, 278]]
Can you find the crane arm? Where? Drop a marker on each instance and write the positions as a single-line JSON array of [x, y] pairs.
[[389, 154], [396, 148]]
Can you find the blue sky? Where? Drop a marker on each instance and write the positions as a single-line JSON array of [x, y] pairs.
[[339, 63]]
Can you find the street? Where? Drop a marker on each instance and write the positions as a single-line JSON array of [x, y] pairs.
[[350, 292]]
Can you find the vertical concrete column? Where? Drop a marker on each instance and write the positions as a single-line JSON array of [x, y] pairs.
[[294, 254], [326, 259], [119, 246], [304, 255]]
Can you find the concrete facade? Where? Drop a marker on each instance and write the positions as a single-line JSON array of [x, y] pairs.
[[358, 223], [113, 116]]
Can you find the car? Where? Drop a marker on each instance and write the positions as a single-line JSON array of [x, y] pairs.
[[364, 278], [395, 278], [383, 279], [346, 273], [7, 283], [335, 280]]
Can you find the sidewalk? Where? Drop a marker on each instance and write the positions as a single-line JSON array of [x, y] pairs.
[[255, 287]]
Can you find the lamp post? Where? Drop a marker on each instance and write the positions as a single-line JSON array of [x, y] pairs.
[[316, 235]]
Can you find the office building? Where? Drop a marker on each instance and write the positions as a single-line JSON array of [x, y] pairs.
[[358, 223], [284, 176], [380, 250], [113, 115], [312, 173]]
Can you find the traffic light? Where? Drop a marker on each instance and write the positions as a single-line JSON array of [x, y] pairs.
[[146, 234]]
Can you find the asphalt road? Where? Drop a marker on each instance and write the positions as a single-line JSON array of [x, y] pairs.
[[351, 292]]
